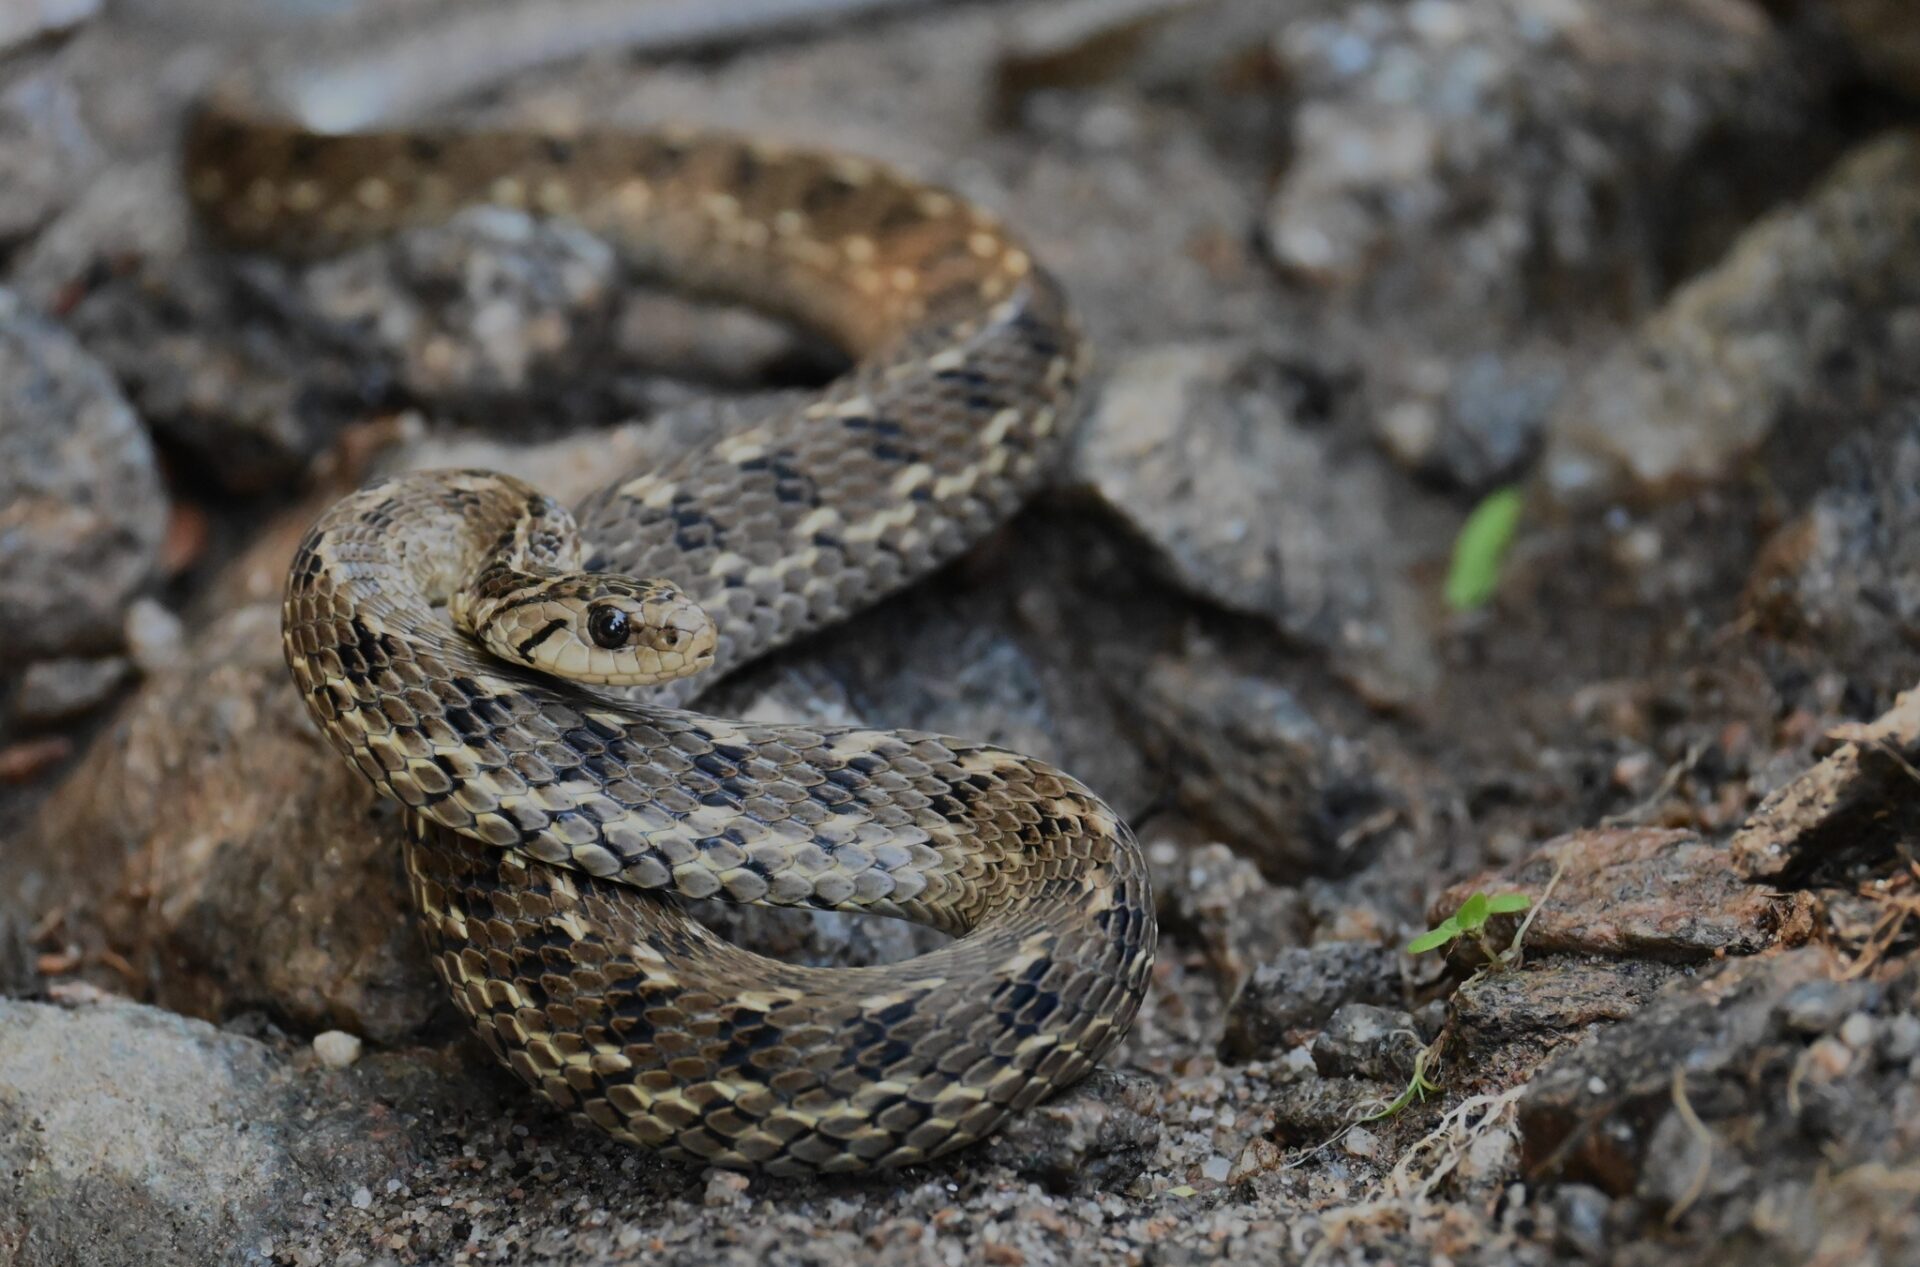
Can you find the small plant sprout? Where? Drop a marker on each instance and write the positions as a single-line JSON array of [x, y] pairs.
[[1481, 548], [1419, 1087], [1471, 921]]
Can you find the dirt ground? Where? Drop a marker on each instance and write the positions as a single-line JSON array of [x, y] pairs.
[[1352, 268]]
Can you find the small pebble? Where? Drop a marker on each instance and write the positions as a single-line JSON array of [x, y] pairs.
[[1216, 1168], [1903, 1037], [336, 1049], [362, 1197], [1829, 1058], [1858, 1030], [1361, 1142], [155, 637], [724, 1187]]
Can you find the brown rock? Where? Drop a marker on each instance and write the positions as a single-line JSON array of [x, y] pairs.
[[1885, 35], [231, 856], [1592, 1111], [1643, 893], [1556, 998], [1858, 803]]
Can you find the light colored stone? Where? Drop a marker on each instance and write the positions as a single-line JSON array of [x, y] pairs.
[[336, 1049]]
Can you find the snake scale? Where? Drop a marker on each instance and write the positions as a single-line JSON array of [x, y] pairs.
[[547, 818]]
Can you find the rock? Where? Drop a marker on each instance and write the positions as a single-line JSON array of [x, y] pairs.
[[336, 1049], [130, 1135], [1301, 988], [54, 691], [25, 20], [1594, 1111], [250, 411], [1094, 1138], [1466, 165], [494, 303], [1363, 1041], [1813, 315], [1580, 1220], [1639, 893], [1251, 764], [1550, 1001], [1846, 809], [1842, 575], [81, 507], [1212, 896], [1885, 36], [1221, 459], [45, 146], [229, 855], [1308, 1110], [1481, 430], [155, 637]]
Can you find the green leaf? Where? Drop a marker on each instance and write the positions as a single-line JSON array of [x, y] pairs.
[[1481, 547], [1439, 935], [1472, 915], [1508, 903]]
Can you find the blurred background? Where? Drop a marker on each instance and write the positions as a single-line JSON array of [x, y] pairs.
[[1503, 469]]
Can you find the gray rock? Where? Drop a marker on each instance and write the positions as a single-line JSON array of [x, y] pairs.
[[131, 1135], [1094, 1138], [1364, 1041], [1252, 765], [1213, 896], [493, 303], [1483, 431], [1844, 574], [1464, 165], [81, 507], [53, 691], [25, 20], [1301, 988], [45, 146], [1811, 317], [1580, 1220], [1206, 452]]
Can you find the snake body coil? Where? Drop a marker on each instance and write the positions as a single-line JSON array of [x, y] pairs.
[[545, 818]]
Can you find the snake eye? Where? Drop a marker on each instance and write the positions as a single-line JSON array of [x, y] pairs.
[[609, 627]]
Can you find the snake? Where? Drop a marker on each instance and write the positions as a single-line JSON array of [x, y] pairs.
[[519, 676]]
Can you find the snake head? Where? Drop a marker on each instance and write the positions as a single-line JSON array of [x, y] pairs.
[[600, 628]]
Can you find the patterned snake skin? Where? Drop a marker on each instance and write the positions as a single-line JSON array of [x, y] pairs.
[[547, 818]]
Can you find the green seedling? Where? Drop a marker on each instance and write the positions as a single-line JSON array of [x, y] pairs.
[[1471, 921], [1419, 1087], [1480, 549]]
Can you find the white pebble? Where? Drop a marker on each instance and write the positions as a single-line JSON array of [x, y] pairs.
[[1857, 1031], [155, 638], [362, 1197], [1217, 1168], [1362, 1142], [336, 1048]]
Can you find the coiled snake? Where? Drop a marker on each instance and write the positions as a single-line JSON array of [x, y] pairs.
[[546, 817]]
